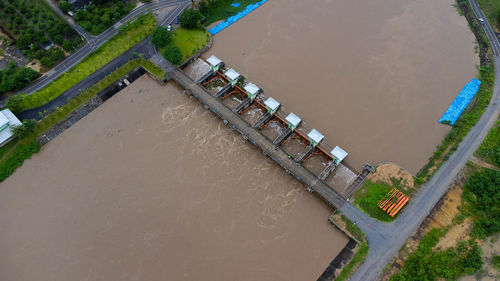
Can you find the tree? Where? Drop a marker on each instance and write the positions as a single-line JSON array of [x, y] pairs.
[[190, 18], [21, 131], [172, 54], [68, 46], [161, 37], [14, 102], [65, 6], [45, 61]]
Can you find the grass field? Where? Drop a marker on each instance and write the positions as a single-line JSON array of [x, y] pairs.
[[367, 198], [14, 153], [490, 148], [221, 13], [190, 41], [128, 37], [492, 10]]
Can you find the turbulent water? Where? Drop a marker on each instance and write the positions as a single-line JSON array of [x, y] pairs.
[[152, 186], [373, 76]]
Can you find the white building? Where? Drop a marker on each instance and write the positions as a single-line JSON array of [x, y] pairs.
[[315, 137], [293, 121], [272, 105], [232, 76], [252, 90], [7, 121], [338, 154], [215, 63]]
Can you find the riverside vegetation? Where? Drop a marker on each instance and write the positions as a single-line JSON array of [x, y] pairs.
[[128, 36]]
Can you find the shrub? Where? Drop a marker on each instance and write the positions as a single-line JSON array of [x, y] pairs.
[[172, 54], [15, 159], [190, 18], [14, 102], [161, 37], [65, 6], [47, 62], [24, 129]]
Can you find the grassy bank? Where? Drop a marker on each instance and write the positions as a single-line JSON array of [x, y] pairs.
[[14, 153], [367, 202], [190, 41], [124, 40], [489, 150], [222, 9], [357, 260]]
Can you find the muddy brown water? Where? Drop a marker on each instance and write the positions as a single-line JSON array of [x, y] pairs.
[[373, 76], [152, 186]]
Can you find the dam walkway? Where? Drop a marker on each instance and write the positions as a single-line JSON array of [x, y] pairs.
[[250, 133]]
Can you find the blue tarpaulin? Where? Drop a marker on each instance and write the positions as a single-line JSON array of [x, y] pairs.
[[236, 5], [460, 103], [216, 29]]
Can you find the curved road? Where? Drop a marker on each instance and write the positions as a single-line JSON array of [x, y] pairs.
[[93, 43], [385, 240]]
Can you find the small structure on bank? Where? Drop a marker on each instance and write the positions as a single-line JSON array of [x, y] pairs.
[[7, 121], [393, 202], [252, 90], [272, 106], [232, 76]]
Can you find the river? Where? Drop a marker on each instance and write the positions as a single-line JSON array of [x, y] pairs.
[[373, 76], [152, 186]]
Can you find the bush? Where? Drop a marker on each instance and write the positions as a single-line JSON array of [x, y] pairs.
[[68, 46], [14, 102], [190, 18], [15, 78], [47, 62], [16, 158], [65, 6], [161, 37], [172, 54], [24, 129]]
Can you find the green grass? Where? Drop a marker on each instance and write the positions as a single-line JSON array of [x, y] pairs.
[[368, 197], [222, 13], [492, 10], [354, 230], [359, 258], [127, 37], [490, 148], [190, 41], [14, 153]]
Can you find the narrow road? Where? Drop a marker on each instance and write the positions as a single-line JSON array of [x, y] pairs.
[[144, 47], [385, 240], [93, 43]]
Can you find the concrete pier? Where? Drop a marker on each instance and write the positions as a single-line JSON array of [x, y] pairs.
[[275, 152]]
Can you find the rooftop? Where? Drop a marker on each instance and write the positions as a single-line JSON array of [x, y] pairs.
[[252, 89], [293, 119], [272, 104], [3, 120], [214, 61], [315, 136], [339, 153], [232, 74], [6, 134]]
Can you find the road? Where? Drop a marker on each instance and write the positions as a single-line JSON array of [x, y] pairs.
[[93, 42], [144, 47], [384, 239]]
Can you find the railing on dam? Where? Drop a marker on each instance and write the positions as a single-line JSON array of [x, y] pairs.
[[234, 120]]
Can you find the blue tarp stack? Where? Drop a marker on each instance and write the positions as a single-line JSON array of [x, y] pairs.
[[460, 103], [216, 29]]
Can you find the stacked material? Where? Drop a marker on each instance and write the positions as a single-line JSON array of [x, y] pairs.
[[216, 29], [460, 103], [393, 202]]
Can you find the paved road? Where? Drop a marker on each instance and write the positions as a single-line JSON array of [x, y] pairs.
[[144, 47], [385, 240], [93, 43]]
